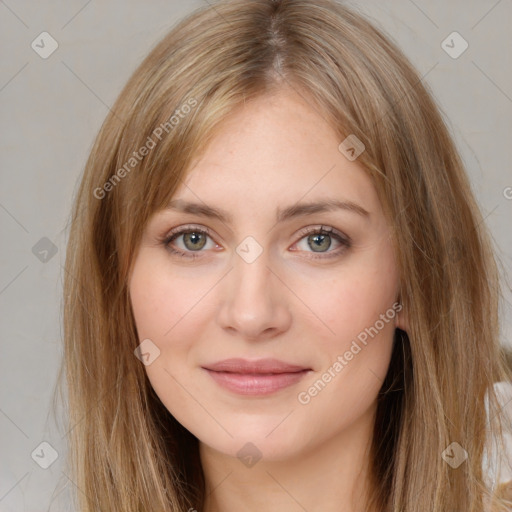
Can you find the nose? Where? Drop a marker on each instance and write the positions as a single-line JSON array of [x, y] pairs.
[[254, 303]]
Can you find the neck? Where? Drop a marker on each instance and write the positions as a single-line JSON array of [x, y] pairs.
[[332, 475]]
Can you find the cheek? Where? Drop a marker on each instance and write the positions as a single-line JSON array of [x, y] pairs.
[[163, 308], [354, 299], [358, 309], [162, 299], [172, 309]]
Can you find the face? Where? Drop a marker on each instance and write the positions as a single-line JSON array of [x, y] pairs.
[[268, 288]]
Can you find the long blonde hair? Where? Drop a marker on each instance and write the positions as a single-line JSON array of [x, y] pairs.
[[127, 452]]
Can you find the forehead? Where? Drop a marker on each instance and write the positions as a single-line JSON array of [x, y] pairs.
[[275, 149]]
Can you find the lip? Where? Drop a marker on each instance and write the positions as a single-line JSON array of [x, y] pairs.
[[258, 378], [265, 366]]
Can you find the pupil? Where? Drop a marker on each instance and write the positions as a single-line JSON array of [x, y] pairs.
[[322, 242]]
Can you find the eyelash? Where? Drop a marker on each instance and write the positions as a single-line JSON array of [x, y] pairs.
[[345, 242]]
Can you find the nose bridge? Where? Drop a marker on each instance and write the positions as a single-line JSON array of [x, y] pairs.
[[254, 303], [251, 271], [252, 278]]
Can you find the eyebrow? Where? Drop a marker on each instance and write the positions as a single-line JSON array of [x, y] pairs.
[[296, 210]]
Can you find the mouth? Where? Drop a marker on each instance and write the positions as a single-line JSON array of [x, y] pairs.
[[256, 378]]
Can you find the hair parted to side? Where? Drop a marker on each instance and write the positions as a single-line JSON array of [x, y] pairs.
[[128, 453]]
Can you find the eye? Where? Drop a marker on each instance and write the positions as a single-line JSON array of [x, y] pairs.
[[320, 239], [187, 240]]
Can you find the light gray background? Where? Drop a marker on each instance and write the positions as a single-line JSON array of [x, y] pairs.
[[52, 108]]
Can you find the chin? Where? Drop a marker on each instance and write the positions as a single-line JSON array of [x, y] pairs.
[[263, 435], [251, 449]]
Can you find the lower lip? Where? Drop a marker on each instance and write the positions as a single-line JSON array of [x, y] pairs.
[[256, 384]]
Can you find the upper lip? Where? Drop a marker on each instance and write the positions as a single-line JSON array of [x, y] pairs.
[[263, 366]]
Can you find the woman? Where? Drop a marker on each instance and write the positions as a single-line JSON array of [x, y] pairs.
[[279, 291]]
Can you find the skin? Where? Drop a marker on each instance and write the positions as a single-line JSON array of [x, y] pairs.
[[273, 152]]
